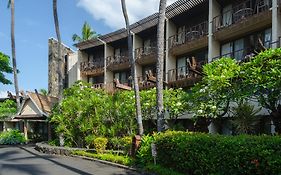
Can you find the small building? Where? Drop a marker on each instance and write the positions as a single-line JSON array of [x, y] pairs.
[[33, 116]]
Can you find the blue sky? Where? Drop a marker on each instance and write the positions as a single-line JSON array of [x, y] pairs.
[[34, 25]]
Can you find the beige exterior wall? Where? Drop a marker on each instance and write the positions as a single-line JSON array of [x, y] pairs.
[[82, 56], [170, 59], [276, 22], [109, 51], [213, 44], [73, 68], [29, 109], [137, 43]]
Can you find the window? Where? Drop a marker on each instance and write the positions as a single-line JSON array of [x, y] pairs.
[[226, 50], [181, 35], [267, 38], [122, 77], [239, 49], [181, 67], [227, 15], [146, 46]]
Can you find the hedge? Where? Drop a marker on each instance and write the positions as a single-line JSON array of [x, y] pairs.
[[198, 153]]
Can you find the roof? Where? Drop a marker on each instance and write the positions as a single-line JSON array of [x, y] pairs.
[[172, 10], [42, 102]]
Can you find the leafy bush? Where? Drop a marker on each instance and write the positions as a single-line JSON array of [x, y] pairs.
[[144, 153], [11, 137], [123, 143], [197, 153], [100, 144], [159, 170], [124, 160]]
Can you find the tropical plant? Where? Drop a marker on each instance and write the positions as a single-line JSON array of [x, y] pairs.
[[261, 80], [7, 108], [245, 118], [11, 137], [5, 68], [133, 69], [59, 58], [160, 64], [11, 5], [211, 97], [43, 91], [87, 34]]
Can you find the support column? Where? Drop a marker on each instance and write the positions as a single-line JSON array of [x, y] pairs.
[[213, 44], [25, 129], [276, 23]]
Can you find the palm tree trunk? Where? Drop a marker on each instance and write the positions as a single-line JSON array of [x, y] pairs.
[[133, 69], [59, 62], [12, 5], [59, 59], [160, 65]]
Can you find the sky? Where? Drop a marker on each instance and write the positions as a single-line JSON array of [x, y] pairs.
[[34, 26]]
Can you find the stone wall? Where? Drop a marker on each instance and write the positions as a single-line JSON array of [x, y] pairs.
[[53, 86]]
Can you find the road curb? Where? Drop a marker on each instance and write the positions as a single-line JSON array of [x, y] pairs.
[[109, 163]]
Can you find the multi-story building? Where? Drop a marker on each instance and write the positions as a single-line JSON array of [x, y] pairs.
[[196, 32]]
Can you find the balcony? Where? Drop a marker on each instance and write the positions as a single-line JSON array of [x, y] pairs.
[[93, 68], [185, 76], [147, 81], [245, 54], [146, 55], [119, 62], [191, 39], [241, 19], [109, 87]]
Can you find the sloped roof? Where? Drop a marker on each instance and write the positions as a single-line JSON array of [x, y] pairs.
[[172, 10], [42, 102]]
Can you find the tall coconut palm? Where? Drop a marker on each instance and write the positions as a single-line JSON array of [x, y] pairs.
[[59, 59], [133, 68], [160, 64], [11, 5], [87, 34]]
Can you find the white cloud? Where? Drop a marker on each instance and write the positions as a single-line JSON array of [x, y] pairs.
[[110, 12], [3, 94]]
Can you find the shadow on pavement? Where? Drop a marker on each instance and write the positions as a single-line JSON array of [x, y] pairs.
[[57, 163]]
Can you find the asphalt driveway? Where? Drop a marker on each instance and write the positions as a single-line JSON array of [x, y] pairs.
[[25, 160]]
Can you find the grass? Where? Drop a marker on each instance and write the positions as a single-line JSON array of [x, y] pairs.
[[124, 160]]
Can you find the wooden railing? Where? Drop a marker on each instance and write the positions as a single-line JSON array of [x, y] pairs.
[[117, 59], [240, 12], [91, 65], [189, 34], [247, 53], [185, 73], [144, 51]]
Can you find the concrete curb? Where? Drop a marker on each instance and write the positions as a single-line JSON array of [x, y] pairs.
[[108, 163], [48, 149]]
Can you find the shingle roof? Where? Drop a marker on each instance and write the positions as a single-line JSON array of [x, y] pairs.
[[44, 103], [172, 10]]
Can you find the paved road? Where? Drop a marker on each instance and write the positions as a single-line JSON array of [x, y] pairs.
[[27, 161]]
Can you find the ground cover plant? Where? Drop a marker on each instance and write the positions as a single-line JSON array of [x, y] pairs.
[[11, 137]]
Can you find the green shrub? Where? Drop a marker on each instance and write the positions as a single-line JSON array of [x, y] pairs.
[[123, 143], [159, 170], [144, 153], [100, 144], [197, 153], [124, 160], [11, 137]]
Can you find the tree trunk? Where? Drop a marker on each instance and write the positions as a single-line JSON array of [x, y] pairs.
[[133, 69], [59, 59], [12, 5], [160, 65]]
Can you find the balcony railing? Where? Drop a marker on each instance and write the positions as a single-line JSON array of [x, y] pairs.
[[247, 53], [90, 66], [117, 60], [189, 35], [240, 12], [185, 73], [145, 52]]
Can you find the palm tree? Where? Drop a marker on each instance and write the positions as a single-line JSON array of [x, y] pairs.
[[87, 34], [133, 69], [11, 4], [59, 59], [160, 64]]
